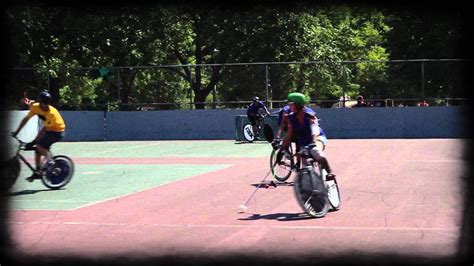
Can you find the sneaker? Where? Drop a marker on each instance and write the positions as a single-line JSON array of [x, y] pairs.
[[330, 177], [35, 175]]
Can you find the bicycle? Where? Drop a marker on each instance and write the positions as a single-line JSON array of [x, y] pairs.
[[314, 193], [260, 124], [55, 173], [282, 169]]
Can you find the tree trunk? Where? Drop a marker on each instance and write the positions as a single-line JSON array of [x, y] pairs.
[[127, 81], [200, 98], [201, 93], [54, 90]]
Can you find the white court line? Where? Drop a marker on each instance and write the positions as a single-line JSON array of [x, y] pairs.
[[127, 148], [408, 160], [437, 161], [247, 226]]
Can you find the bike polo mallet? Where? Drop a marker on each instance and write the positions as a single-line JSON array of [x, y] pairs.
[[243, 207]]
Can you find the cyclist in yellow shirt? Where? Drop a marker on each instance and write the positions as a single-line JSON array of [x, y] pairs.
[[52, 131]]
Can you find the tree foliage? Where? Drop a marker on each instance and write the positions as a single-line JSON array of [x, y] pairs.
[[72, 44]]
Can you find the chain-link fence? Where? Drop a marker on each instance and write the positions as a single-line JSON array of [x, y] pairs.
[[382, 83]]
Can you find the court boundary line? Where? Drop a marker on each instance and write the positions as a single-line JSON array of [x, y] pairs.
[[146, 189], [126, 148], [314, 227], [226, 166]]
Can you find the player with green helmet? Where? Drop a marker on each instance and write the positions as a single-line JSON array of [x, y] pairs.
[[303, 123]]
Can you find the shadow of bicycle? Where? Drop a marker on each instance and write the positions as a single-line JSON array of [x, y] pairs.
[[279, 217], [28, 192], [253, 142], [286, 184]]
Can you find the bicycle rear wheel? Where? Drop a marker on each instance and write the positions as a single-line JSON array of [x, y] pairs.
[[60, 174], [311, 193], [281, 171]]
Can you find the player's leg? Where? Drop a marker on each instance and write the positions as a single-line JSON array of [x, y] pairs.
[[320, 157]]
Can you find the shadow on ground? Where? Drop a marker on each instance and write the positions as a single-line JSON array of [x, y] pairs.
[[279, 217], [28, 192]]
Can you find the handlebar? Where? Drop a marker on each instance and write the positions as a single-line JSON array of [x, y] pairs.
[[305, 151], [23, 145], [19, 140]]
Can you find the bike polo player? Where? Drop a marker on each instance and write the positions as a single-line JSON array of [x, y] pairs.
[[282, 122], [253, 111], [303, 124], [52, 131]]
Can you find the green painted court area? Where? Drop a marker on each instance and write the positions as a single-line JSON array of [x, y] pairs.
[[95, 183], [136, 149]]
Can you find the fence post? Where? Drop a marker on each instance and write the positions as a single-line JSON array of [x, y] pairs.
[[190, 89], [118, 88], [423, 80], [49, 81], [214, 97], [267, 85]]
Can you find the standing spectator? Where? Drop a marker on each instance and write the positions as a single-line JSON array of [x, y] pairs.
[[423, 104], [360, 102], [25, 102]]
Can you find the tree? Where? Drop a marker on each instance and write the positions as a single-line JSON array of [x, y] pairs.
[[427, 34]]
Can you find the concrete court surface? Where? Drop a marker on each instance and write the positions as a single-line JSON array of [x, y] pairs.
[[399, 196]]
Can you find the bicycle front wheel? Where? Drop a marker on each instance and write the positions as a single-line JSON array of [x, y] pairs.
[[281, 170], [60, 174], [311, 193], [248, 132]]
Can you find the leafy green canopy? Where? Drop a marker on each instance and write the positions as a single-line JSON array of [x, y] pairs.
[[57, 41]]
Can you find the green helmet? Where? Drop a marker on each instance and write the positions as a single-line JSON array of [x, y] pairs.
[[298, 98]]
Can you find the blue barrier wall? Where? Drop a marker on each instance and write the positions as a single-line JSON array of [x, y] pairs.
[[365, 123], [172, 124], [397, 122], [84, 125]]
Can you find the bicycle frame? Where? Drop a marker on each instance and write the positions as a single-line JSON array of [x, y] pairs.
[[56, 171], [22, 158], [307, 162], [259, 123], [25, 161]]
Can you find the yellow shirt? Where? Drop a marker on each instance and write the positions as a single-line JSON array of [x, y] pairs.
[[52, 120]]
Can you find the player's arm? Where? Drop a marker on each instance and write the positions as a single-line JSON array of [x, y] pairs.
[[284, 121], [288, 136], [266, 110], [22, 124], [315, 132]]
